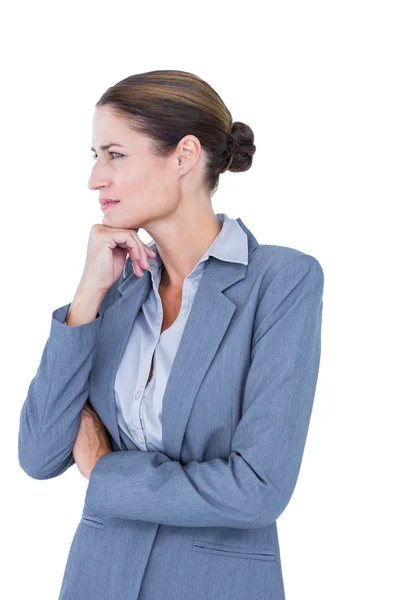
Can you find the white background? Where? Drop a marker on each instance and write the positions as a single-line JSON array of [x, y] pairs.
[[318, 82]]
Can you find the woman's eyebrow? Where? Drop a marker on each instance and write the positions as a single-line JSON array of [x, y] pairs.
[[107, 146]]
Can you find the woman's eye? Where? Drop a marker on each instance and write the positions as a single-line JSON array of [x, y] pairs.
[[95, 155]]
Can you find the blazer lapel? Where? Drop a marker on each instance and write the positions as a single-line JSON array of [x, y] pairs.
[[208, 320]]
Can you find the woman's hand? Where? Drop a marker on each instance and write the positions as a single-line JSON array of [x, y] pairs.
[[92, 441], [106, 255]]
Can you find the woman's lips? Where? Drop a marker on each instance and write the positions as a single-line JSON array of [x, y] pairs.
[[107, 205]]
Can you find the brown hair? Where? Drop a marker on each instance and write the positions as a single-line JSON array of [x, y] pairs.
[[167, 105]]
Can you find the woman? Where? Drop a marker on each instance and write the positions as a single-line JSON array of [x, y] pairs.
[[180, 381]]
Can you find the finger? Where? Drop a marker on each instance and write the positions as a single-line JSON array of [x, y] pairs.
[[137, 268], [143, 260], [136, 250], [145, 252], [150, 252]]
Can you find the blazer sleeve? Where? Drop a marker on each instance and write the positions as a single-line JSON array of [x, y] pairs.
[[51, 413], [253, 486]]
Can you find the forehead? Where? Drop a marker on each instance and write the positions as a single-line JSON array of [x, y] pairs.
[[106, 122], [111, 129]]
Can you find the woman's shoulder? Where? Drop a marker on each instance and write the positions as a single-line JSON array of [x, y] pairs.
[[273, 258]]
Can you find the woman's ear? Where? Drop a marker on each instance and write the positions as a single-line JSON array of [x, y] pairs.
[[188, 150]]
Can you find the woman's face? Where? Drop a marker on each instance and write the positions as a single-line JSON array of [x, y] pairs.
[[146, 186]]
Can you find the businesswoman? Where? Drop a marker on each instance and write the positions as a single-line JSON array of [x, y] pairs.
[[180, 380]]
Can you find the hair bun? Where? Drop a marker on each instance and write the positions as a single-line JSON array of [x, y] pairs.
[[241, 147]]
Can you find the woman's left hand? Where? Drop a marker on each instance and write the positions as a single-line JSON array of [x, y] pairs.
[[92, 441]]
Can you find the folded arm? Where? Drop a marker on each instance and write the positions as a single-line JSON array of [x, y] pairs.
[[50, 415]]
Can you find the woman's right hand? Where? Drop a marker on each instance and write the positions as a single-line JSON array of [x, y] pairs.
[[106, 255]]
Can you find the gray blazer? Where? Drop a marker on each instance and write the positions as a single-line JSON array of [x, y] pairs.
[[198, 521]]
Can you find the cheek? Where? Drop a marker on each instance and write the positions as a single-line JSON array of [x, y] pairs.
[[132, 182], [154, 183], [147, 182]]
